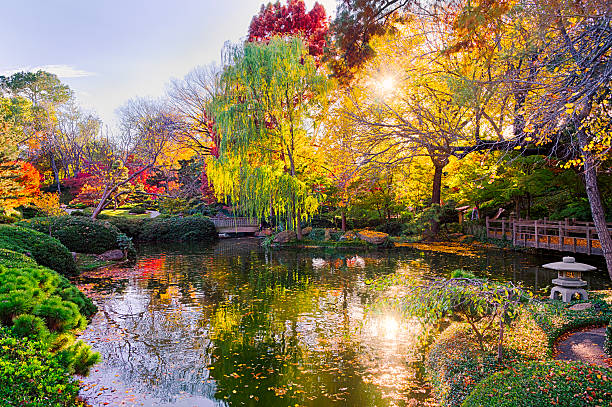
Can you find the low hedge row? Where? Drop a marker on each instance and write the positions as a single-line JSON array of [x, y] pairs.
[[168, 229], [46, 250], [544, 384], [31, 375], [186, 229], [556, 318], [79, 234]]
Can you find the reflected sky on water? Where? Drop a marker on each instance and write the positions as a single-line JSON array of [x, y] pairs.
[[234, 325]]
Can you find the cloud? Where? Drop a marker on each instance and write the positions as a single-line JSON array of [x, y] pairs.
[[62, 71]]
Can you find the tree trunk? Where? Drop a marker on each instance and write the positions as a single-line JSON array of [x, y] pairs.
[[597, 209], [344, 220], [298, 226], [436, 193], [55, 172], [436, 190], [103, 200], [517, 207]]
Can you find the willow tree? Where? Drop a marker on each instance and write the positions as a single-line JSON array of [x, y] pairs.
[[266, 116]]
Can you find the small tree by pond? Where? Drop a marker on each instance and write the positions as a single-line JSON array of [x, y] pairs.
[[485, 305]]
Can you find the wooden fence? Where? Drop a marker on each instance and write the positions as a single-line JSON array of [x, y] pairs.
[[567, 235]]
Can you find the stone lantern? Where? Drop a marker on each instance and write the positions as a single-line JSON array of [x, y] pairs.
[[569, 281]]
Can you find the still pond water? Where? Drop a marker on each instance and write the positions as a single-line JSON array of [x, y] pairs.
[[233, 325]]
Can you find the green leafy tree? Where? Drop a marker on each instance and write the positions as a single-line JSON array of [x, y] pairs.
[[484, 305], [267, 117]]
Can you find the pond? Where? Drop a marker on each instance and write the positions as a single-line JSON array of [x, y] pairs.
[[234, 325]]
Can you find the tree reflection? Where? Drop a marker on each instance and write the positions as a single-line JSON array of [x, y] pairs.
[[234, 325]]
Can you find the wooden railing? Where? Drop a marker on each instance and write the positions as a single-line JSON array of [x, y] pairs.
[[567, 235], [229, 225]]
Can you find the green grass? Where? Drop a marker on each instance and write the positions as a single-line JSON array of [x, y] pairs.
[[124, 213]]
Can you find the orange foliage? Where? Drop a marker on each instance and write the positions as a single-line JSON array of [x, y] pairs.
[[19, 184]]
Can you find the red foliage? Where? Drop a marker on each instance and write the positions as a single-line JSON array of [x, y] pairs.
[[75, 184], [292, 19], [206, 188]]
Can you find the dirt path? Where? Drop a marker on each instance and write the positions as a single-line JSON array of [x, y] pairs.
[[585, 346]]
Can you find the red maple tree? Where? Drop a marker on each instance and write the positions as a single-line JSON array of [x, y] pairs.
[[292, 19]]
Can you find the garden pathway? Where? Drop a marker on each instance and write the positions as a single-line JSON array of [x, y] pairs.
[[585, 346]]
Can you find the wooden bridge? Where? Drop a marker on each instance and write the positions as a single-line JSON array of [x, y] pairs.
[[236, 225], [567, 236]]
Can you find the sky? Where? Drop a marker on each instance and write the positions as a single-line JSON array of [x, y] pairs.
[[109, 51]]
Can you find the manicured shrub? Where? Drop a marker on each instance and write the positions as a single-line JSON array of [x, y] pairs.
[[42, 292], [10, 258], [187, 229], [38, 303], [30, 326], [319, 234], [79, 234], [138, 210], [132, 227], [556, 383], [391, 228], [77, 213], [31, 375], [455, 364], [46, 250]]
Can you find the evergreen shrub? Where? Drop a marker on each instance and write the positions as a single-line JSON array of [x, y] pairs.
[[391, 228], [79, 234], [181, 229], [39, 304], [32, 375], [132, 227], [46, 250]]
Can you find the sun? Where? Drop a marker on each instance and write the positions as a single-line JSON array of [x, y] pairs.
[[387, 84]]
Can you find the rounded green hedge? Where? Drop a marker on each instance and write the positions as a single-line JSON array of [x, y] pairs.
[[31, 375], [131, 227], [455, 364], [10, 258], [79, 234], [46, 250], [543, 384], [178, 229]]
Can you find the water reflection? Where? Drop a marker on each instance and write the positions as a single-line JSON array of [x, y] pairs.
[[234, 325]]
